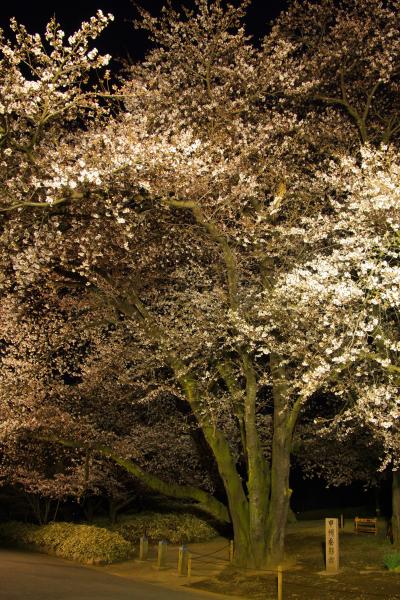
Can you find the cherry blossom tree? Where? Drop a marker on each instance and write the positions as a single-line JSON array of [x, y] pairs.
[[349, 295], [56, 364], [235, 244]]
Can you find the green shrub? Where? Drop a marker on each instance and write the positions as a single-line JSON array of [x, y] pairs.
[[172, 527], [105, 543], [84, 543], [15, 533], [52, 535], [88, 543], [392, 561]]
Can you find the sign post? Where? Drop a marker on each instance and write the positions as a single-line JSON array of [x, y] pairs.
[[332, 545]]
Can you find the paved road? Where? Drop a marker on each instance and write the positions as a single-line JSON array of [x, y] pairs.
[[25, 576]]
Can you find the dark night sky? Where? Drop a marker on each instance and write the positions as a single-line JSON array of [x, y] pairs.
[[120, 38]]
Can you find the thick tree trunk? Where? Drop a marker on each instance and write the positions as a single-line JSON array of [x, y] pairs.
[[396, 508], [249, 539], [258, 475], [259, 542], [280, 493], [280, 497], [247, 511], [268, 490]]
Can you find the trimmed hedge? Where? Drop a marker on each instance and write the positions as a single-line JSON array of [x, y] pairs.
[[103, 543], [84, 543], [172, 527]]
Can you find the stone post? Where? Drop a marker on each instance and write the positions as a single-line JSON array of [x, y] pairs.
[[162, 555], [182, 561], [332, 545], [143, 548]]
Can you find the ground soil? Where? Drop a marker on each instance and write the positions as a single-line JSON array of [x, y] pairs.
[[362, 575]]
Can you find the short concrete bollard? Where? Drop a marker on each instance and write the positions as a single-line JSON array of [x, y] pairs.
[[162, 555], [143, 548], [182, 561]]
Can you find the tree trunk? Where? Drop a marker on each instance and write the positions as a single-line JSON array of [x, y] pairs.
[[259, 542], [258, 475], [115, 507], [112, 510], [90, 507], [396, 508], [40, 508], [280, 497], [280, 493]]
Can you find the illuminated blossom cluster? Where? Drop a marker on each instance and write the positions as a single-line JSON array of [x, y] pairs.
[[45, 89]]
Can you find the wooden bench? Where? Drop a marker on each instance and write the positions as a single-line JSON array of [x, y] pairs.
[[366, 525]]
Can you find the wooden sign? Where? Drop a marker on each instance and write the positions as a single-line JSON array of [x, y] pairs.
[[332, 545]]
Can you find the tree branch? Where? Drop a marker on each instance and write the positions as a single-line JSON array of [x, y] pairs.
[[46, 205], [205, 500], [222, 241]]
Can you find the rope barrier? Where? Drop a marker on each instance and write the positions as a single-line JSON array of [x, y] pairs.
[[209, 553], [209, 562]]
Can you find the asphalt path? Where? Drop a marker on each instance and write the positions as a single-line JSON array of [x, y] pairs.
[[28, 576]]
